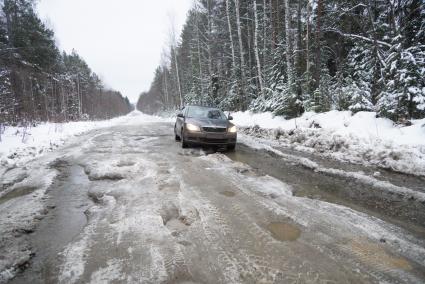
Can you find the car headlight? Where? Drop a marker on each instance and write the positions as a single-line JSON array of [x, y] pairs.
[[192, 127], [232, 129]]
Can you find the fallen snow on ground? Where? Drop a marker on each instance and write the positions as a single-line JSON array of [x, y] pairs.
[[19, 144], [359, 138]]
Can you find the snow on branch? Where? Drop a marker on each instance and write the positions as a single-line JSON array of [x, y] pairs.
[[359, 37]]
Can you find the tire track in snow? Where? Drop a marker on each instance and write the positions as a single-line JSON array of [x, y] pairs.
[[371, 227]]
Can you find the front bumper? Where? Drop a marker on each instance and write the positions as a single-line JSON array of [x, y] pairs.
[[207, 138]]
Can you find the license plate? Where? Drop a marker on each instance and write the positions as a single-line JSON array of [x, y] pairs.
[[214, 136]]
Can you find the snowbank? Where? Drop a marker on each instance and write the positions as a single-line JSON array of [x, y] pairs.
[[358, 138], [18, 143]]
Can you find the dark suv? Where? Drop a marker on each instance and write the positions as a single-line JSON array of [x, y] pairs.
[[205, 126]]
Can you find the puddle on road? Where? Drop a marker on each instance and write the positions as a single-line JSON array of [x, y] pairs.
[[284, 231], [69, 196], [228, 193], [375, 255]]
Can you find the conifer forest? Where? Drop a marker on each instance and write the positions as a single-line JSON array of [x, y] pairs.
[[293, 56], [39, 83]]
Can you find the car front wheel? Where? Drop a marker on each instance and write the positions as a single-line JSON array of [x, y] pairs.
[[182, 140], [176, 137]]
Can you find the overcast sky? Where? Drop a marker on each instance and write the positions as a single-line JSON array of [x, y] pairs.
[[120, 40]]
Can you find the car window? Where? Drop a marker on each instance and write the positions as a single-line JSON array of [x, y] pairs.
[[215, 114], [202, 112]]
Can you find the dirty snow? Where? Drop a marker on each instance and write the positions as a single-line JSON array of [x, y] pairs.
[[360, 138]]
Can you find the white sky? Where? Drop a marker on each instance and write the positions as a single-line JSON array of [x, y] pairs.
[[121, 40]]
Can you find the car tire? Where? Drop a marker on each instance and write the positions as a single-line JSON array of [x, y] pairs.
[[231, 147], [182, 141]]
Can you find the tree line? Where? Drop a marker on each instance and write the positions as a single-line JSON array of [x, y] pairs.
[[38, 82], [292, 56]]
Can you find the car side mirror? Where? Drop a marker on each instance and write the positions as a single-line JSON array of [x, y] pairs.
[[180, 115], [230, 117]]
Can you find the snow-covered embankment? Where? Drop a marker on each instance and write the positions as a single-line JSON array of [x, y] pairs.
[[358, 138]]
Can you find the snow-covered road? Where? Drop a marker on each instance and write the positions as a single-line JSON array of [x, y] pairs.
[[125, 204]]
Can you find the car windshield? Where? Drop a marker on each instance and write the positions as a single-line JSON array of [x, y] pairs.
[[203, 112]]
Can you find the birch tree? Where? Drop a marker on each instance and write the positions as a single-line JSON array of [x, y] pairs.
[[289, 49], [232, 47], [256, 48], [241, 50]]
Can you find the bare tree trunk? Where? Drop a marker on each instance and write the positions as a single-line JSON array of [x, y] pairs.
[[231, 36], [289, 49], [78, 96], [176, 63], [318, 51], [272, 22], [166, 87], [248, 28], [210, 69], [257, 55], [307, 45], [242, 60], [299, 52], [278, 21], [32, 100], [178, 77], [199, 55], [376, 75], [264, 51]]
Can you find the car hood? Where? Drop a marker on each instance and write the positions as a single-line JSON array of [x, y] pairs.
[[205, 122]]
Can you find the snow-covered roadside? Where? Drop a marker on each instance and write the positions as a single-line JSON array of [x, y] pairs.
[[360, 138]]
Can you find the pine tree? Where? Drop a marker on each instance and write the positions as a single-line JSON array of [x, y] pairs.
[[404, 94], [359, 79]]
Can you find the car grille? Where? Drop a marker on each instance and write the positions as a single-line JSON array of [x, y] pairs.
[[214, 129], [214, 141]]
